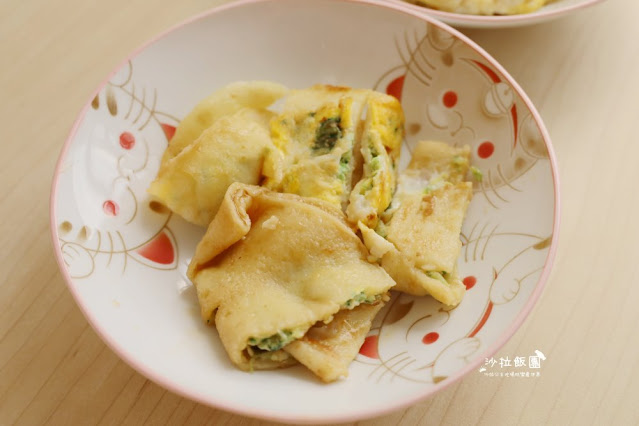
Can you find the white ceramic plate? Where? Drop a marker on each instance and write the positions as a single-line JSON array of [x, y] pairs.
[[124, 257], [554, 10]]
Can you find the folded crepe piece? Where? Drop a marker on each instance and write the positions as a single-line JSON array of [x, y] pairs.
[[380, 148], [417, 242], [193, 183], [271, 266], [302, 101], [314, 138], [328, 349], [226, 101], [436, 163], [486, 7]]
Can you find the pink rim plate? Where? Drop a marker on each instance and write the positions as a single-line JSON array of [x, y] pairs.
[[372, 412]]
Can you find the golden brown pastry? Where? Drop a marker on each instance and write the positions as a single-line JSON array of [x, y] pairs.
[[328, 349], [418, 242], [226, 101], [271, 266], [193, 183]]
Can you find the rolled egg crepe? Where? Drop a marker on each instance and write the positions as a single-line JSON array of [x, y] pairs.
[[328, 349], [271, 266], [418, 241], [301, 101], [193, 183], [226, 101]]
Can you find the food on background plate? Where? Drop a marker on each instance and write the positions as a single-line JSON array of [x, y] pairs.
[[485, 7], [271, 266], [282, 271], [417, 242]]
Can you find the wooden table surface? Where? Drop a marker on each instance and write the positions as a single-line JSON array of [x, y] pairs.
[[581, 71]]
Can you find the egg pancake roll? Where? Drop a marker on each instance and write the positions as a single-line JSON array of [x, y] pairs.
[[271, 266]]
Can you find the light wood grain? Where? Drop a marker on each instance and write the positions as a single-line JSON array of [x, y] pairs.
[[581, 71]]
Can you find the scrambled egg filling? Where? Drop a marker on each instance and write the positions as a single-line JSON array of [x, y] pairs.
[[360, 298], [381, 143], [439, 276], [313, 152], [276, 341], [346, 137]]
